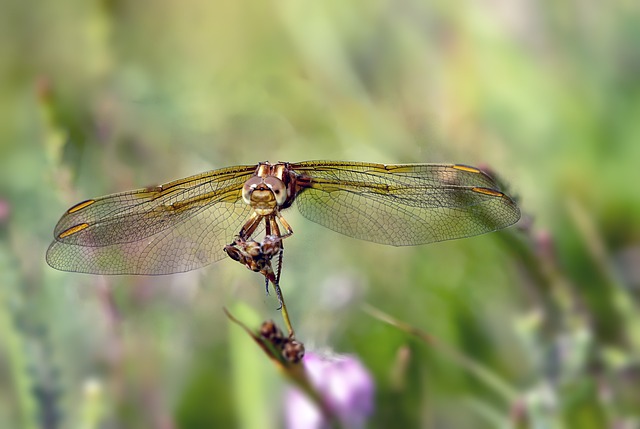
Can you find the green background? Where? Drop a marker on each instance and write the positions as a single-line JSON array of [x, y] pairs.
[[536, 326]]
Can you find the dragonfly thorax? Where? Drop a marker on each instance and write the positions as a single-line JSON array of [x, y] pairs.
[[264, 194]]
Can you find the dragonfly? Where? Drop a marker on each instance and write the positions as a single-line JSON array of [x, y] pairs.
[[189, 223]]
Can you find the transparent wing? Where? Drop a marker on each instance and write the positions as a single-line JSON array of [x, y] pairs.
[[403, 204], [172, 228]]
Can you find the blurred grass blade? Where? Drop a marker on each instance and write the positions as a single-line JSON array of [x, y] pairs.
[[508, 393]]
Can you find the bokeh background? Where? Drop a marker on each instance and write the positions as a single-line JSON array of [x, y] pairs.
[[536, 326]]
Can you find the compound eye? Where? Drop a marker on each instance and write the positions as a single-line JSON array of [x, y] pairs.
[[249, 187], [277, 187]]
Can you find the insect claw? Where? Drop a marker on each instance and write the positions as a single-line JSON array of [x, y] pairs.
[[276, 286]]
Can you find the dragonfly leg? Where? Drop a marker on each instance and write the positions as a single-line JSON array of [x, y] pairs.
[[273, 241], [286, 226], [279, 269], [276, 287], [250, 226], [258, 256], [267, 225]]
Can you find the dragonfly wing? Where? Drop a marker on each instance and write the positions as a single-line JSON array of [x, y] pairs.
[[171, 228], [405, 204], [193, 243]]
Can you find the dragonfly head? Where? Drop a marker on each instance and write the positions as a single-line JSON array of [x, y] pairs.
[[264, 194]]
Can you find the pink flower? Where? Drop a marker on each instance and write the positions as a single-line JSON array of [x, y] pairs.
[[5, 211], [343, 382]]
